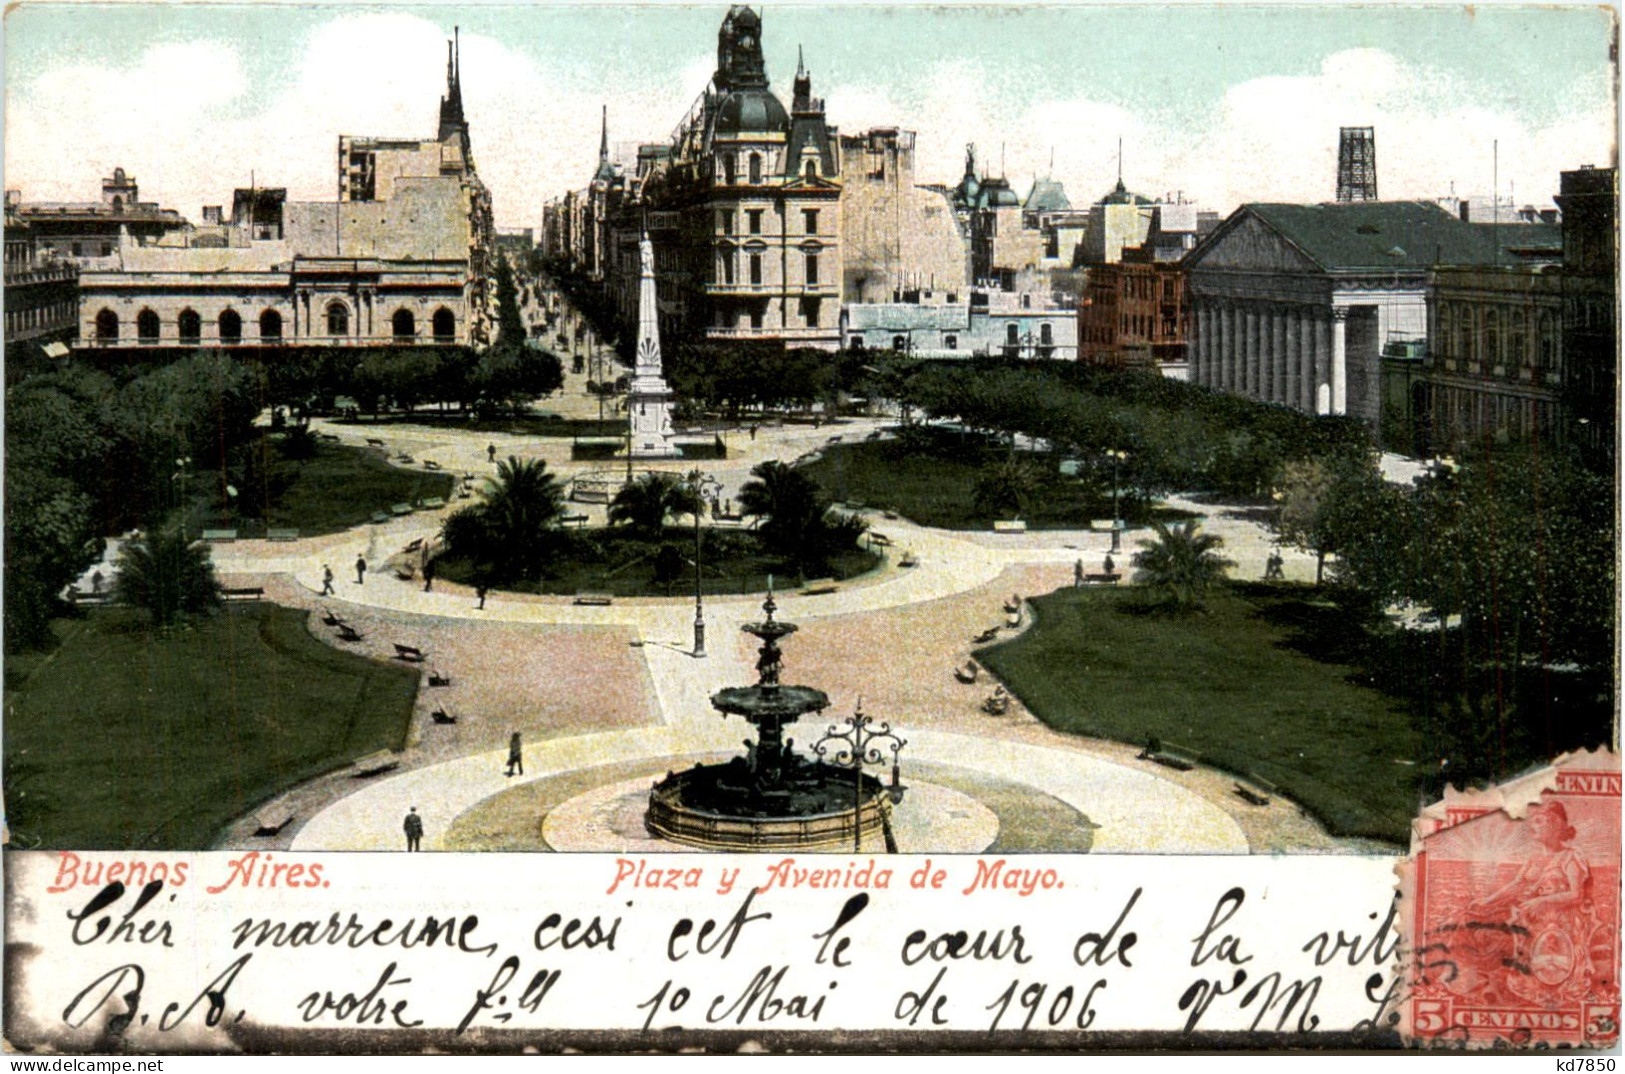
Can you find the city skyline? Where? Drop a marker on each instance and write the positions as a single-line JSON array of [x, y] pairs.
[[195, 100]]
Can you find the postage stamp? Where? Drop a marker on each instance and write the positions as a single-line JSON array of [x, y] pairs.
[[1512, 901]]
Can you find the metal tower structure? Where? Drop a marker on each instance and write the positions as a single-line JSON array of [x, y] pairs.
[[1357, 164]]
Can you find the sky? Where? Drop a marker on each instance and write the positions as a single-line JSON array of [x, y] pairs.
[[1224, 103]]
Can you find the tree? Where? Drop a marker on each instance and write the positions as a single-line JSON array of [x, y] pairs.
[[787, 502], [515, 526], [1329, 504], [1005, 488], [1181, 564], [510, 324], [166, 575], [646, 503]]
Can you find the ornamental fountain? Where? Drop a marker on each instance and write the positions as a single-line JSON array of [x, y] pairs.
[[770, 797]]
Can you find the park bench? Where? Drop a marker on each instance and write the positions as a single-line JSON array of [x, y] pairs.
[[88, 596], [330, 619], [333, 437], [986, 636], [405, 572], [283, 533], [433, 503], [348, 632], [253, 592], [820, 588], [271, 822], [465, 493], [879, 538], [573, 520], [969, 673], [380, 516], [219, 536], [1009, 525], [400, 509], [1102, 578], [438, 678], [375, 764], [410, 653], [1179, 758], [908, 560], [441, 716], [414, 545], [594, 600], [403, 457], [1261, 791], [430, 464], [373, 441]]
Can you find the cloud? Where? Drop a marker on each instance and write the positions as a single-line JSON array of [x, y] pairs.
[[186, 120]]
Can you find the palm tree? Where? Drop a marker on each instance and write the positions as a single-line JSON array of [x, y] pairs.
[[789, 505], [1182, 564], [646, 503], [1005, 488], [164, 574], [515, 523]]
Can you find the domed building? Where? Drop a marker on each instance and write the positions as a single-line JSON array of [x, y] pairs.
[[744, 212]]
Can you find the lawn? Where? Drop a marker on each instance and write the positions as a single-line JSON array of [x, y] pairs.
[[613, 561], [122, 740], [336, 489], [1237, 683], [937, 487]]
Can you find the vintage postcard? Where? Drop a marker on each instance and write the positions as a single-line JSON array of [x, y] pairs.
[[810, 528]]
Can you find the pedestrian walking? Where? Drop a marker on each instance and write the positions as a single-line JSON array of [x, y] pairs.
[[361, 570], [1077, 574], [490, 453], [428, 575], [96, 583], [413, 827], [1110, 564], [516, 757], [753, 433], [480, 591], [327, 580]]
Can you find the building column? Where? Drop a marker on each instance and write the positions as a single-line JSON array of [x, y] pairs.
[[1278, 353], [1221, 344], [1306, 361], [1340, 316], [1204, 344], [1293, 396]]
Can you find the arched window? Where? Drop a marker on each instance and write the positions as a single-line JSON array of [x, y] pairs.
[[756, 167], [445, 325], [899, 343], [1517, 344], [1046, 341], [1012, 341], [338, 319], [107, 326], [190, 326], [231, 327], [146, 327], [270, 325], [728, 169], [404, 325], [810, 170], [1548, 344], [1447, 326], [1464, 334]]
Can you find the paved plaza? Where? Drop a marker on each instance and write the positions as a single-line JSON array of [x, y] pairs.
[[610, 698]]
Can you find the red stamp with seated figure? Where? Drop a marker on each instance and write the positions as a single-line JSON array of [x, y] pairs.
[[1512, 906]]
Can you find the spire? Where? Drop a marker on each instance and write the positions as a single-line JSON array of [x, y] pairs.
[[451, 105], [606, 170], [802, 100]]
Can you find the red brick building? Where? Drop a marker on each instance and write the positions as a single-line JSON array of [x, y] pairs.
[[1133, 314]]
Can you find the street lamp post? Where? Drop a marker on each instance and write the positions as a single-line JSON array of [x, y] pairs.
[[1117, 516], [859, 745], [181, 466], [700, 484]]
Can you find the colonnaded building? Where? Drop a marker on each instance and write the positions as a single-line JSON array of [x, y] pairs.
[[402, 257]]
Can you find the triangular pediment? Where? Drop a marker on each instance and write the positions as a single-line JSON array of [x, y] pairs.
[[1245, 242], [811, 182]]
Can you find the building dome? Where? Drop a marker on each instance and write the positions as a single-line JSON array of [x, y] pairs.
[[1120, 196], [997, 194], [751, 111]]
